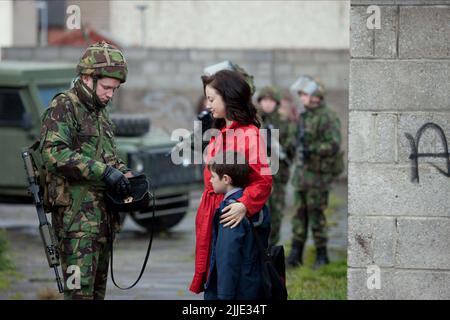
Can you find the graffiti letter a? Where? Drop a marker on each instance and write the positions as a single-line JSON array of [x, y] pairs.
[[415, 155]]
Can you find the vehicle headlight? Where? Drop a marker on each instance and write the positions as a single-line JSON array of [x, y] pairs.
[[137, 164]]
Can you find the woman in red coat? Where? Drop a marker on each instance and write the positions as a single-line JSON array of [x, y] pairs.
[[237, 128]]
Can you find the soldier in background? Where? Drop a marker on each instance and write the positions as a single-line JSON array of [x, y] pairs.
[[81, 160], [203, 114], [288, 108], [319, 140], [269, 99]]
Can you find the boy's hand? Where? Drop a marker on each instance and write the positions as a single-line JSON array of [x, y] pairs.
[[233, 214]]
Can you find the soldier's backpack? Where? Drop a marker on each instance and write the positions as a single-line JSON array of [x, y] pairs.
[[53, 189]]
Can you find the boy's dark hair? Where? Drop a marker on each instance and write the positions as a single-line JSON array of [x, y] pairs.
[[234, 165]]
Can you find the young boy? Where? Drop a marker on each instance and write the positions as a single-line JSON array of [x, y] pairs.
[[235, 264]]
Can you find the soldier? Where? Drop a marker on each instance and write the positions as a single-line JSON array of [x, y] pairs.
[[319, 143], [269, 99], [80, 157]]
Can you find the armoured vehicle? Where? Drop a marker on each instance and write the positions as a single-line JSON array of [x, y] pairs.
[[26, 88]]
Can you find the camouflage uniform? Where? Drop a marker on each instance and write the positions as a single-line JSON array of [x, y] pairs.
[[75, 123], [319, 142], [287, 135], [313, 178]]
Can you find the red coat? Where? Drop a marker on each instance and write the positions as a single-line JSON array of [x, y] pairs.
[[246, 140]]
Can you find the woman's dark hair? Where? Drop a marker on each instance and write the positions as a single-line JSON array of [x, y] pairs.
[[236, 95]]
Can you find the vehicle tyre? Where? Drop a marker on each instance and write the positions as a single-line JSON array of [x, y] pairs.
[[130, 125]]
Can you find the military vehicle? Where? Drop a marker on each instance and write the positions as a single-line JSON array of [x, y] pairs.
[[26, 88]]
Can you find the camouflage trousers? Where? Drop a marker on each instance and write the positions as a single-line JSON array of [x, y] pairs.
[[85, 268], [276, 205], [311, 205]]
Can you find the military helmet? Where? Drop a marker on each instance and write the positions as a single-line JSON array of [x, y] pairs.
[[103, 60], [308, 85], [228, 65], [271, 92]]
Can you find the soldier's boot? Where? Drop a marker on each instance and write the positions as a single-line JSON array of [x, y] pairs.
[[295, 258], [321, 258]]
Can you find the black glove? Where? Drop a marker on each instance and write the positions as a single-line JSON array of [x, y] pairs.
[[116, 181]]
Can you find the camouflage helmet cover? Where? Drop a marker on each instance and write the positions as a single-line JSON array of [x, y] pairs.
[[103, 60], [228, 65], [271, 92], [308, 85]]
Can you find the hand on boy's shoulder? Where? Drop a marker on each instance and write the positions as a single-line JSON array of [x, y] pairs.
[[233, 214]]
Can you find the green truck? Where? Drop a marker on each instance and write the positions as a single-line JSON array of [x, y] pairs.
[[26, 88]]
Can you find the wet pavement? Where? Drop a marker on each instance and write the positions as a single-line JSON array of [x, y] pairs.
[[171, 263]]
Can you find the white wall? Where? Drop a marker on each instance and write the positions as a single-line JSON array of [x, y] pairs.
[[25, 23], [6, 23], [234, 24]]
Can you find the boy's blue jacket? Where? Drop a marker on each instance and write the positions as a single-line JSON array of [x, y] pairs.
[[235, 265]]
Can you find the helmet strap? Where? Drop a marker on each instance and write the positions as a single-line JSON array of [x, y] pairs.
[[94, 89], [95, 98]]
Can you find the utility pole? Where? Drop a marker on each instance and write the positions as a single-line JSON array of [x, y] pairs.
[[42, 6], [142, 8]]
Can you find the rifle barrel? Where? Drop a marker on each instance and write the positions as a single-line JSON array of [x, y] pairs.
[[58, 280]]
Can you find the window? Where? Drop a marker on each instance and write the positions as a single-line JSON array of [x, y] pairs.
[[46, 93], [56, 11], [11, 107]]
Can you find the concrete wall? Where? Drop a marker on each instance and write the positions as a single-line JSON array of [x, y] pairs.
[[204, 24], [399, 81], [166, 85], [166, 82], [25, 21], [6, 23], [233, 24]]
